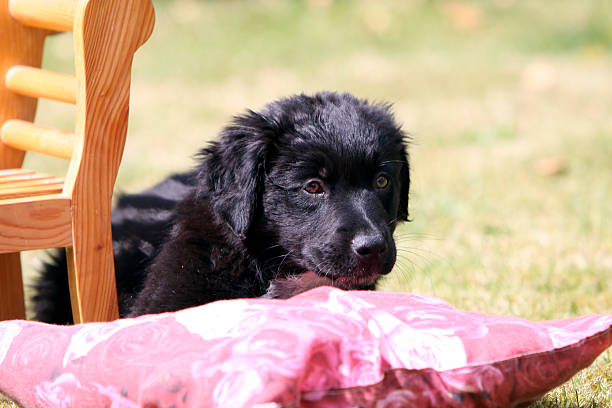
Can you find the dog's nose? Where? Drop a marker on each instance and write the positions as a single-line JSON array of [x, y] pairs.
[[369, 247]]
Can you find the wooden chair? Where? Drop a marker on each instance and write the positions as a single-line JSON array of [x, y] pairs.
[[40, 211]]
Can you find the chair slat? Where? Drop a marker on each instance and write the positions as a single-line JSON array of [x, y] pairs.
[[23, 177], [34, 223], [54, 15], [35, 182], [15, 172], [29, 191], [27, 136], [39, 83]]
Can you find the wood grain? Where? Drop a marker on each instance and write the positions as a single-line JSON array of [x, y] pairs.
[[15, 172], [31, 188], [33, 182], [105, 41], [11, 178], [107, 33], [26, 51], [12, 305], [35, 223]]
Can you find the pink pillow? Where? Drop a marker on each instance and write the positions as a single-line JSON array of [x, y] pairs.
[[324, 348]]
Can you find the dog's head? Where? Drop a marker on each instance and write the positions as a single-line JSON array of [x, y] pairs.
[[313, 183]]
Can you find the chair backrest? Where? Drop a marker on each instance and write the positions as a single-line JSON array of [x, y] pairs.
[[106, 35]]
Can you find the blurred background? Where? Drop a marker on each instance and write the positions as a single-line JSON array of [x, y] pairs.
[[509, 108]]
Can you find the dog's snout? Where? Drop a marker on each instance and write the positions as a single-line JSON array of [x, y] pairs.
[[369, 247]]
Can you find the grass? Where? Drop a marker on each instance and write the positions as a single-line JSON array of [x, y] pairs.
[[508, 104]]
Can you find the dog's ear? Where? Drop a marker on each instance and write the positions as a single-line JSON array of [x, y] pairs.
[[402, 213], [231, 174]]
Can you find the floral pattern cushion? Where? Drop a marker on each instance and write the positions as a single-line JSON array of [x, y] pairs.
[[324, 348]]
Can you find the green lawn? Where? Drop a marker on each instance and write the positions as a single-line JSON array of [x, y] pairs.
[[509, 104]]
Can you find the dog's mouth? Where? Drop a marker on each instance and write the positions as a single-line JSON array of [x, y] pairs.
[[355, 281], [351, 274], [360, 279], [363, 276]]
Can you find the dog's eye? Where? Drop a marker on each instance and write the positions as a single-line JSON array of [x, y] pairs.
[[314, 186], [382, 181]]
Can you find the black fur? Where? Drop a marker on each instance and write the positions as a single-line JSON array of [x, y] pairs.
[[304, 193]]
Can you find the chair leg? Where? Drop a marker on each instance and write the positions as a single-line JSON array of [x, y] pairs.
[[12, 304], [91, 273]]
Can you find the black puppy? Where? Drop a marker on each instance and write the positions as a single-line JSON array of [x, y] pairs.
[[305, 193]]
